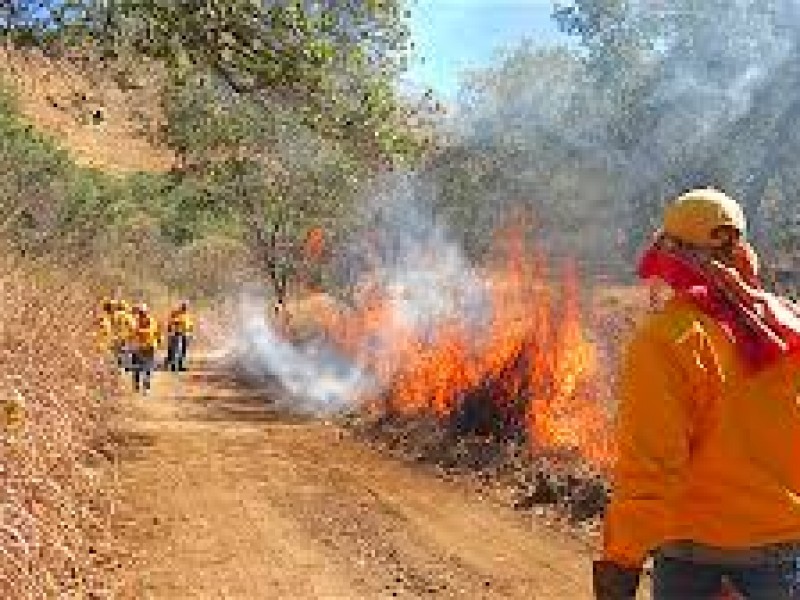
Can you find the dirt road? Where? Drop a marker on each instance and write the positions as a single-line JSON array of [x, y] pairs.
[[225, 498]]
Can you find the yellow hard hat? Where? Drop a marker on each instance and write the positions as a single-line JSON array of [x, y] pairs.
[[693, 216], [123, 305]]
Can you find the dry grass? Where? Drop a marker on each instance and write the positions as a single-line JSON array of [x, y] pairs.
[[100, 125], [56, 398]]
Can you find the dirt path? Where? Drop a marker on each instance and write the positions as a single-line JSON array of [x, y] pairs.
[[225, 498]]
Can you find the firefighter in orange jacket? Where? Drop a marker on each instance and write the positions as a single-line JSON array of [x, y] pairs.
[[122, 322], [145, 339], [180, 327], [707, 479]]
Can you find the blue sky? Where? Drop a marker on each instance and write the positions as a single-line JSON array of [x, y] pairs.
[[455, 34]]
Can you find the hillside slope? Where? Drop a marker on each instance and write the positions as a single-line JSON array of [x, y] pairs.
[[100, 125]]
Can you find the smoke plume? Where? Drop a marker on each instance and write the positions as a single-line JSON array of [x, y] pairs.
[[405, 256], [594, 137]]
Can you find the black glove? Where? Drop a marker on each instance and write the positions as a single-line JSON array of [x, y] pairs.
[[614, 582]]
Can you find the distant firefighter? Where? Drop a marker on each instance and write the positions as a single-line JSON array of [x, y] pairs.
[[180, 328], [118, 319], [144, 340]]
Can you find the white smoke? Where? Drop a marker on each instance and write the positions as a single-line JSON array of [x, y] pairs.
[[664, 96], [707, 82], [316, 379], [424, 273], [423, 277]]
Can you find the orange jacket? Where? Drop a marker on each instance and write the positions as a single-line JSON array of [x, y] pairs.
[[706, 454], [146, 334]]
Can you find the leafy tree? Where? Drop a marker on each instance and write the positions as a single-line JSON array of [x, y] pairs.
[[275, 109], [702, 94], [530, 141], [333, 62]]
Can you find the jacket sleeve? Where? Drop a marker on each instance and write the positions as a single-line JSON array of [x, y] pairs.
[[652, 436]]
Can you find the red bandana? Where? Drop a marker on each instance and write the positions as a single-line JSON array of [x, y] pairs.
[[763, 326]]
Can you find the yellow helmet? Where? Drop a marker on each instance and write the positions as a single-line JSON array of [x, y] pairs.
[[693, 216], [123, 305]]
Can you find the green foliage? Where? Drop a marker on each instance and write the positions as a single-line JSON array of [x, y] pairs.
[[276, 110], [31, 168], [46, 201], [332, 63]]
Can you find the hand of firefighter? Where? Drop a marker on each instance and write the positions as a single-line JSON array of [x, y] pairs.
[[614, 582]]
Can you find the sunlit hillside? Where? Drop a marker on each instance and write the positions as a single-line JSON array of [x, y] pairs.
[[101, 125]]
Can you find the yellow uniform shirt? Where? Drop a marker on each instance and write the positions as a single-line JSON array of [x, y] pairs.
[[105, 331], [122, 323], [180, 322]]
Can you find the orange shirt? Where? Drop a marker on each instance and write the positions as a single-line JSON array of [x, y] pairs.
[[146, 334]]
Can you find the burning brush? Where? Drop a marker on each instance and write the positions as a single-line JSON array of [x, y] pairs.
[[525, 370]]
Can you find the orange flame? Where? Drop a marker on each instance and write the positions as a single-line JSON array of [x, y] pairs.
[[314, 244], [535, 365]]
